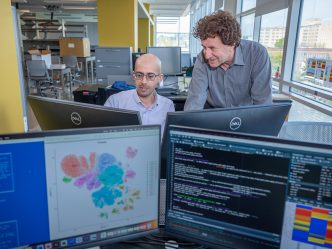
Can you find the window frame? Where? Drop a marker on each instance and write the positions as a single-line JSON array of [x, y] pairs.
[[286, 84]]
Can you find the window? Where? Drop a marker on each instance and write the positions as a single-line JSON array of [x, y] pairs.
[[198, 10], [306, 55], [313, 58], [248, 4], [247, 26], [272, 36], [173, 31]]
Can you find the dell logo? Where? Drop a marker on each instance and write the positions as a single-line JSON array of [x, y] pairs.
[[235, 123], [76, 118]]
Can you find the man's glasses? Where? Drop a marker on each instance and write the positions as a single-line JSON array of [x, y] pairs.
[[149, 76]]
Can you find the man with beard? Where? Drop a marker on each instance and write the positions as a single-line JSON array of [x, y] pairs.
[[153, 108], [229, 71]]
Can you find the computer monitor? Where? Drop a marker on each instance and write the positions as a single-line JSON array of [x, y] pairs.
[[241, 191], [185, 60], [170, 59], [255, 119], [135, 57], [78, 188], [63, 114]]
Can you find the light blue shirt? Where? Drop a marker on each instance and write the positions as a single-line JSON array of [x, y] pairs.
[[155, 114], [247, 81]]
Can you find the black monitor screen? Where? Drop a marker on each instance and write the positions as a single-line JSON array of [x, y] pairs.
[[255, 119], [54, 114], [185, 60], [229, 190], [135, 57], [78, 188], [170, 59]]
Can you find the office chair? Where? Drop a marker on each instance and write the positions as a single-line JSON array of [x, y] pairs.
[[38, 72], [72, 63], [307, 131], [55, 59]]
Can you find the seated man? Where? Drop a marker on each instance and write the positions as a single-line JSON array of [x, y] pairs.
[[153, 108]]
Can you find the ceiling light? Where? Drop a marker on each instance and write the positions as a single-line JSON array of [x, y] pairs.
[[24, 10]]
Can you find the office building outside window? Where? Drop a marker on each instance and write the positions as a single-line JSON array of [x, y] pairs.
[[272, 36], [306, 55], [247, 26], [313, 58]]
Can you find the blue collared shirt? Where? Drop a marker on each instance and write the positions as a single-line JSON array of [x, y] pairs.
[[247, 81], [155, 114]]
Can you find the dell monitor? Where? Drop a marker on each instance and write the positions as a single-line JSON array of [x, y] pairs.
[[255, 119], [62, 114], [170, 58], [241, 191], [78, 188]]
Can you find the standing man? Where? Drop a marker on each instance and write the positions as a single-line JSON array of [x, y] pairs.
[[153, 108], [229, 71]]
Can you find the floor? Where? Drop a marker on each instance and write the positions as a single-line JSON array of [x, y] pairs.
[[300, 112]]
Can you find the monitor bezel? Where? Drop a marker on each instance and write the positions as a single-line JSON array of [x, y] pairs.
[[42, 135], [46, 100], [178, 48], [237, 136], [213, 110]]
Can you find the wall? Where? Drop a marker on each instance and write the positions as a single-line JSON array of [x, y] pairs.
[[11, 110], [93, 33], [117, 23], [143, 34]]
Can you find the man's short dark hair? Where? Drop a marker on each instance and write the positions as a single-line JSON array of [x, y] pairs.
[[220, 23]]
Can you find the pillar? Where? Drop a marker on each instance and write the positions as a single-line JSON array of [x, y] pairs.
[[117, 23], [11, 106]]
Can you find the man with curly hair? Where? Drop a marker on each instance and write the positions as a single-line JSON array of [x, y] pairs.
[[229, 71]]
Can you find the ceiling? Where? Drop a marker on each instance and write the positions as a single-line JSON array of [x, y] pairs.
[[168, 8]]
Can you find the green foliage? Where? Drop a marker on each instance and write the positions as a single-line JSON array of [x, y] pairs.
[[279, 43], [276, 59]]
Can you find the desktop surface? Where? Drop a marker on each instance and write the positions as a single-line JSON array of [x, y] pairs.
[[229, 190], [79, 188]]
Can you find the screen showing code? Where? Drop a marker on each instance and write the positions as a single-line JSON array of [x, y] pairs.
[[244, 192], [230, 186], [236, 193]]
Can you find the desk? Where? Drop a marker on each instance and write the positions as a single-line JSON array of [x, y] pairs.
[[86, 61], [315, 132], [178, 99], [153, 242]]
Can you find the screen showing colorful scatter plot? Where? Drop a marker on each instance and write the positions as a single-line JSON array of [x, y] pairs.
[[241, 191], [80, 188]]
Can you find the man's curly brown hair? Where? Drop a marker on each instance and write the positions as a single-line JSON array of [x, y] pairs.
[[220, 23]]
